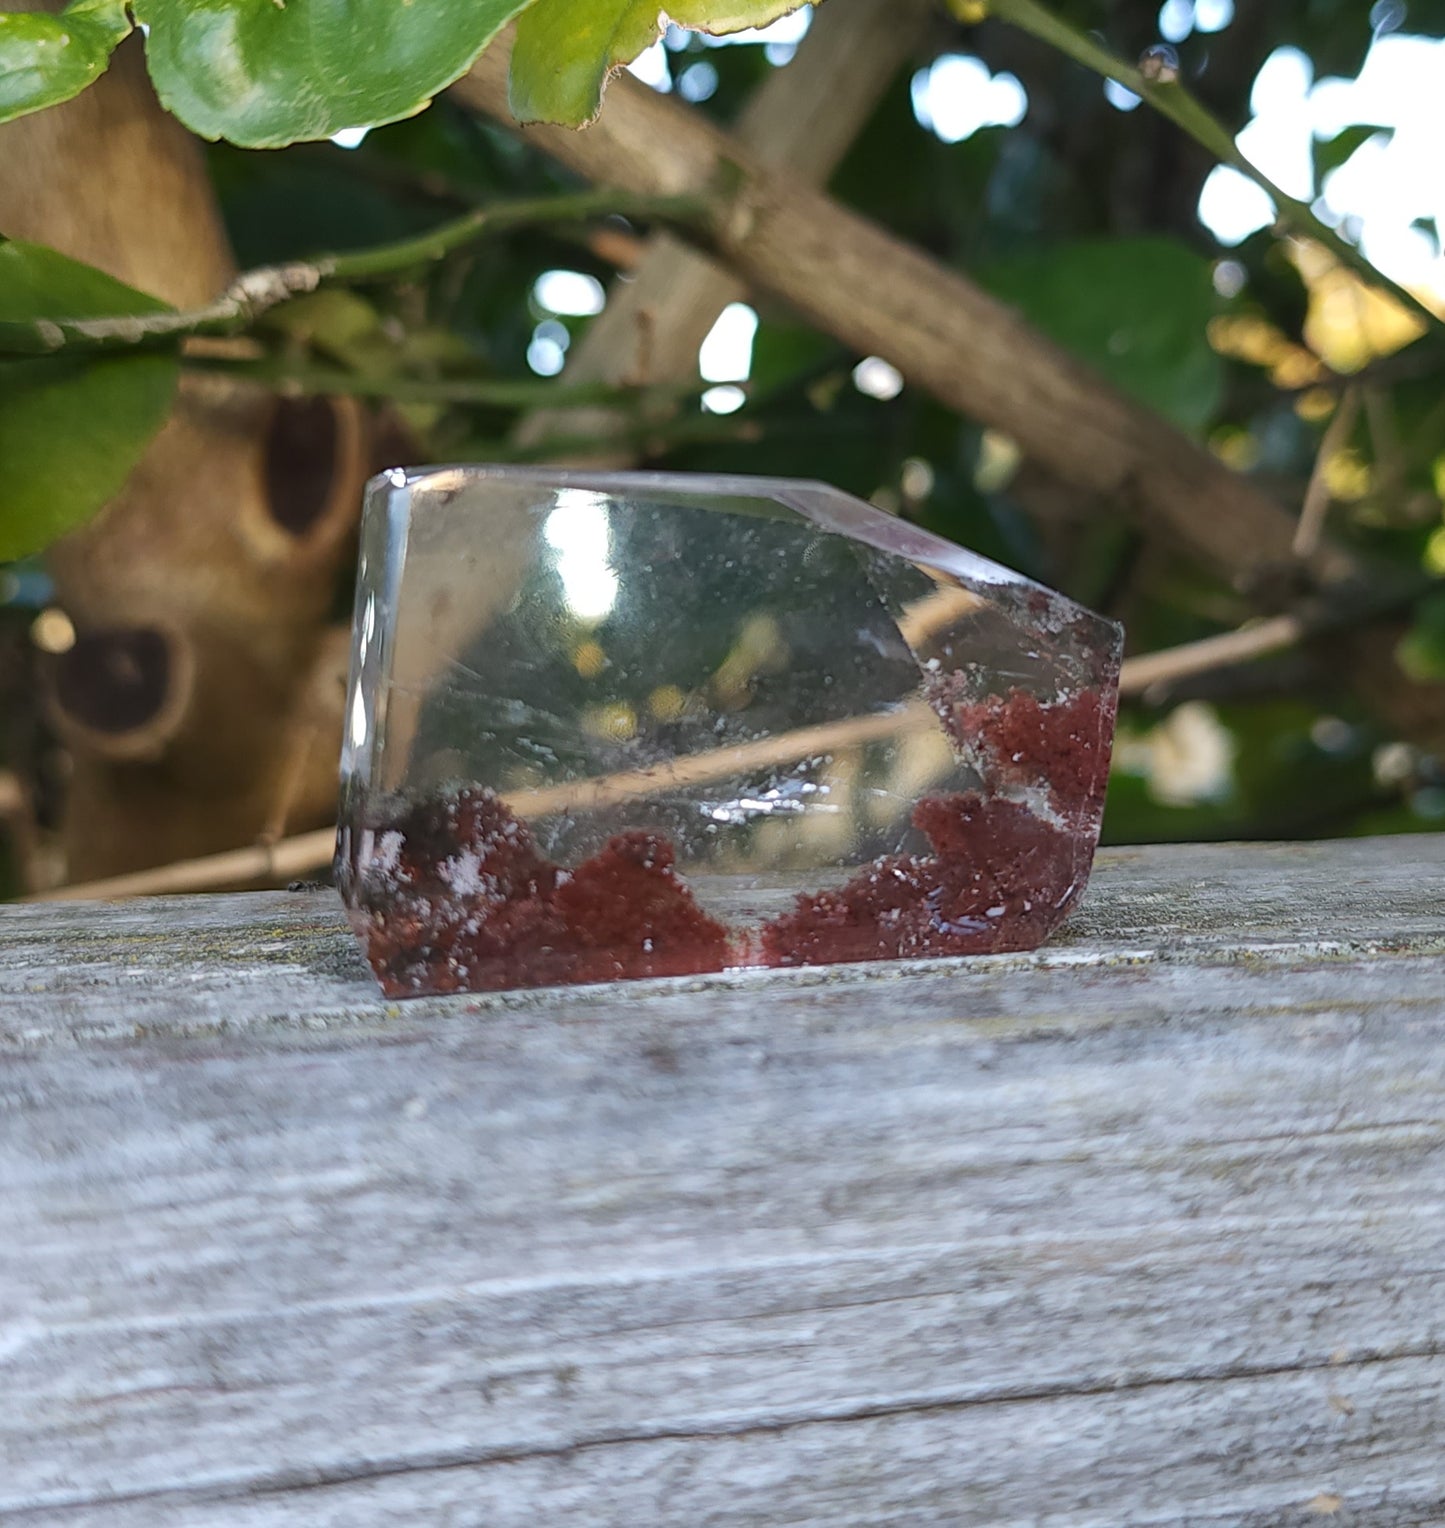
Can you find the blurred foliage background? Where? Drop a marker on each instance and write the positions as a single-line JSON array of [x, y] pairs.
[[1001, 157]]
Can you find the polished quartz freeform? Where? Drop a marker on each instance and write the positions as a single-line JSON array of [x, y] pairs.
[[615, 725]]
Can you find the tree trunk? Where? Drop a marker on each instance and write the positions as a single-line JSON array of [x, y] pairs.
[[198, 595]]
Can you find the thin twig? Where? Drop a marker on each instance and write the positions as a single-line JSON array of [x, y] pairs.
[[1139, 675], [1311, 528], [722, 763], [1170, 98], [311, 852], [303, 854], [257, 291]]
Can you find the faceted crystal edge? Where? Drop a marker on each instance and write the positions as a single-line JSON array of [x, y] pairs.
[[827, 507]]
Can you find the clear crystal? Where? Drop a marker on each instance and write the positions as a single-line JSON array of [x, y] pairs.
[[614, 725]]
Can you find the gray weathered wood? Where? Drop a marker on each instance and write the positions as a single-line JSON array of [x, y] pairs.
[[1145, 1228]]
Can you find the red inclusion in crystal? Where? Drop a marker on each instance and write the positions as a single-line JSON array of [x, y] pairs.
[[628, 905], [1022, 740], [999, 879], [1000, 876], [458, 899]]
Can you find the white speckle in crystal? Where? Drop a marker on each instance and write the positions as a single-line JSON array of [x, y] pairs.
[[463, 873], [933, 665], [388, 851], [647, 946], [995, 912]]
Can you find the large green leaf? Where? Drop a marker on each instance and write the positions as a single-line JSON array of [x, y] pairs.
[[71, 427], [1137, 310], [262, 73], [45, 59], [565, 49]]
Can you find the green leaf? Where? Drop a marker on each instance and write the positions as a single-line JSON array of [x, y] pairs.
[[1137, 310], [565, 49], [71, 427], [262, 73], [46, 59], [1331, 153]]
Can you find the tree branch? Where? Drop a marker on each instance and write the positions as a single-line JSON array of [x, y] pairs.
[[1171, 99], [804, 117], [308, 853], [1141, 674], [1311, 527], [257, 291], [943, 332]]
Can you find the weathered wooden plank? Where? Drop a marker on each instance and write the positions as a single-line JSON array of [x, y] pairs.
[[1144, 1228], [1054, 1462], [192, 964]]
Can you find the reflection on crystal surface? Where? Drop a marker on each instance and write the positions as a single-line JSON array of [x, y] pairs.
[[607, 725]]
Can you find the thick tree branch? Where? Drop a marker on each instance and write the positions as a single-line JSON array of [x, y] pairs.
[[804, 117], [944, 333]]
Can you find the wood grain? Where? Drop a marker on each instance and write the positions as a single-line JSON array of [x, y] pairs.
[[1143, 1228]]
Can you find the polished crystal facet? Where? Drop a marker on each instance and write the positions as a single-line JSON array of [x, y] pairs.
[[614, 725]]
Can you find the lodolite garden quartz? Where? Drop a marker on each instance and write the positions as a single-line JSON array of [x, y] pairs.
[[618, 725]]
